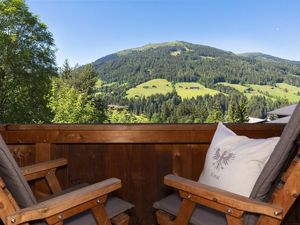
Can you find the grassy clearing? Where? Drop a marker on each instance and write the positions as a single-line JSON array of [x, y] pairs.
[[191, 89], [175, 53], [208, 57], [152, 87], [245, 89], [162, 86], [238, 87], [291, 89], [281, 90]]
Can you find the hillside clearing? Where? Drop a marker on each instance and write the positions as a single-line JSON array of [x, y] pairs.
[[244, 89], [162, 86], [152, 87], [280, 90], [192, 90]]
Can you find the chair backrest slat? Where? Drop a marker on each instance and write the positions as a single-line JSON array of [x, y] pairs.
[[13, 178], [279, 161]]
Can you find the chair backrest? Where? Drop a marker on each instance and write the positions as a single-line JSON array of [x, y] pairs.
[[279, 160], [13, 178], [284, 150]]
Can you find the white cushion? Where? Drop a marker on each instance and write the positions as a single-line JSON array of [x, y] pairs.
[[233, 163]]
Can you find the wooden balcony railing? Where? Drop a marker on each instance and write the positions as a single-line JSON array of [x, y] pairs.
[[140, 155]]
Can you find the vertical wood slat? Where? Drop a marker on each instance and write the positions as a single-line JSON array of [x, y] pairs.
[[188, 160], [42, 153], [23, 154]]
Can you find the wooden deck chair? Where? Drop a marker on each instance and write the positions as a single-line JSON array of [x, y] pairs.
[[275, 191], [85, 206]]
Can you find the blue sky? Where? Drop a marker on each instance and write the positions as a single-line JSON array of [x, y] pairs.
[[85, 30]]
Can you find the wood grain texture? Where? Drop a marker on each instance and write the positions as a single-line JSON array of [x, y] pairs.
[[23, 154], [101, 215], [64, 202], [222, 197], [43, 166], [140, 155], [42, 154], [182, 133]]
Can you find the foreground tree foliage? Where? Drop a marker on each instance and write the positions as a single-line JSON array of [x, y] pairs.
[[69, 105], [73, 99], [27, 63], [123, 116]]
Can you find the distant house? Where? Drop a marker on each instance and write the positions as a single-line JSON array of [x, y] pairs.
[[283, 114], [281, 120], [256, 120]]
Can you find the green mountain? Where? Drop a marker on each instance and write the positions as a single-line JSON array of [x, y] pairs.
[[186, 62], [268, 58]]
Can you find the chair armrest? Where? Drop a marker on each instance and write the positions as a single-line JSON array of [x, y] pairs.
[[222, 197], [64, 202], [39, 170]]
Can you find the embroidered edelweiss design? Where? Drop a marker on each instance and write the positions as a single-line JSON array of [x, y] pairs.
[[223, 159]]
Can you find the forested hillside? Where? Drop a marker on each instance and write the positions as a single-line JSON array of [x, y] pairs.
[[185, 62], [184, 82]]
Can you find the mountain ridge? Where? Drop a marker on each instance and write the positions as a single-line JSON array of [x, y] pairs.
[[180, 61], [253, 55], [267, 57]]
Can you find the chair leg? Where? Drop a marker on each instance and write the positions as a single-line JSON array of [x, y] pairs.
[[121, 219], [185, 212], [53, 182], [59, 223], [233, 220], [164, 218], [264, 220], [101, 215]]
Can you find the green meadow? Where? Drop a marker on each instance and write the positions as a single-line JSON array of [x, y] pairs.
[[280, 90], [192, 90], [245, 89], [162, 86], [187, 90], [152, 87]]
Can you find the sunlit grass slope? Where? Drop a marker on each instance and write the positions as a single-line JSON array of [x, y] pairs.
[[280, 90], [192, 89], [244, 89], [152, 87]]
